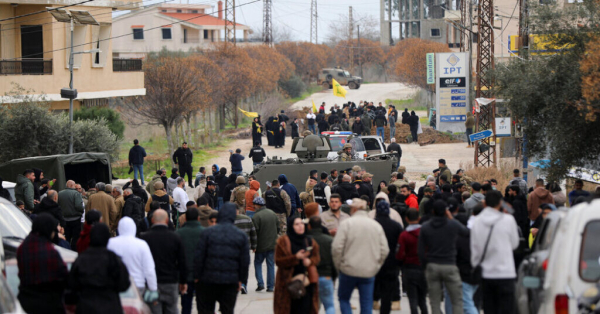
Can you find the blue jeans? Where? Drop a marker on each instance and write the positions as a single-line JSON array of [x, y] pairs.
[[469, 132], [326, 294], [188, 298], [380, 132], [392, 133], [365, 290], [256, 164], [140, 169], [468, 291], [258, 260], [312, 129], [219, 202], [237, 172], [250, 213]]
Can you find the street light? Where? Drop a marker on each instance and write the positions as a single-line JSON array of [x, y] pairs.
[[79, 17], [496, 18]]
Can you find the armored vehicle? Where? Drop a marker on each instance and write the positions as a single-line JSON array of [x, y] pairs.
[[312, 152], [340, 75]]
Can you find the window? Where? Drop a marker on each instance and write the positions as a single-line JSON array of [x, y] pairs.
[[205, 34], [178, 11], [138, 33], [194, 11], [100, 36], [371, 144], [166, 33], [435, 32], [164, 11], [589, 266], [341, 74]]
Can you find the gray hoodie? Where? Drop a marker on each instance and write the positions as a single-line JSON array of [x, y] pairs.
[[472, 201]]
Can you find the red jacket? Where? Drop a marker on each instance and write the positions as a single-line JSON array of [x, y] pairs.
[[412, 202], [409, 243]]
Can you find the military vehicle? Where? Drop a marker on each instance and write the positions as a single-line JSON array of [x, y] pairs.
[[312, 152], [340, 75]]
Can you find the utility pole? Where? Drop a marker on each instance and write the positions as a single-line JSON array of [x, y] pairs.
[[351, 38], [463, 22], [486, 156], [524, 53], [359, 55], [267, 23], [230, 21], [313, 22], [390, 22]]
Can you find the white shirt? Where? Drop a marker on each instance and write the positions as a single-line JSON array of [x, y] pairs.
[[135, 254], [311, 115], [181, 198]]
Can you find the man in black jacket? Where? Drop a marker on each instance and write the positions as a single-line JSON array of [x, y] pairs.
[[221, 263], [257, 154], [358, 127], [346, 189], [133, 207], [168, 253], [49, 204], [323, 126], [395, 148], [136, 160], [183, 159], [207, 198], [386, 280]]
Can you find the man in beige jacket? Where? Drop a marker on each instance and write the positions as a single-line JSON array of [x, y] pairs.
[[103, 203], [359, 250]]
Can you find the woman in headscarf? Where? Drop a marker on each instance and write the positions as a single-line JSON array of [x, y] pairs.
[[405, 116], [413, 122], [98, 276], [295, 128], [257, 130], [382, 185], [296, 254], [42, 272], [280, 135]]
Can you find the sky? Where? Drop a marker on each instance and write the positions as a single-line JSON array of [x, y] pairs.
[[293, 16]]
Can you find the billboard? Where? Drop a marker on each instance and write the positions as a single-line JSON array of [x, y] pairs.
[[452, 90]]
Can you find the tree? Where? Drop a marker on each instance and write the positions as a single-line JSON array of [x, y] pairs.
[[270, 67], [339, 28], [554, 96], [308, 58], [112, 117], [171, 89], [369, 53], [409, 61]]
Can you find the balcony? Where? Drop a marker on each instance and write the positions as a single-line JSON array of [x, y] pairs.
[[32, 66], [127, 65]]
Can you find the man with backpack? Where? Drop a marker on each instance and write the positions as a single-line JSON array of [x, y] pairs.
[[279, 201]]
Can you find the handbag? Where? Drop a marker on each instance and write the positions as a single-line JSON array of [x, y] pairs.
[[476, 274], [297, 285]]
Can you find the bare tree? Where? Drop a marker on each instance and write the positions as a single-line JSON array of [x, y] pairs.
[[339, 28], [281, 33]]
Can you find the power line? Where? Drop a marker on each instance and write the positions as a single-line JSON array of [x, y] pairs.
[[128, 34], [38, 12]]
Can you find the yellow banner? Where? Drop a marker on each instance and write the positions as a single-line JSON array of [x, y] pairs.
[[314, 107], [338, 90], [249, 114]]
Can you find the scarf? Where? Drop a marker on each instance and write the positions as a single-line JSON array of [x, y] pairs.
[[84, 238], [298, 241]]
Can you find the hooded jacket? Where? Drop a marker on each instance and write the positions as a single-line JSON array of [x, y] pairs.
[[472, 201], [360, 247], [136, 155], [150, 186], [137, 190], [51, 207], [498, 262], [380, 120], [229, 187], [408, 244], [411, 201], [24, 191], [538, 197], [437, 240], [183, 157], [135, 254], [266, 224], [223, 252], [172, 183], [133, 209], [393, 214], [290, 189], [470, 123], [251, 194], [392, 230], [347, 191]]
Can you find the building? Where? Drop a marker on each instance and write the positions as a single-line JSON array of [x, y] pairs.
[[34, 53], [174, 26]]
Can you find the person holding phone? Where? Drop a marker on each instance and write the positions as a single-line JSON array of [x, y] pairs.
[[236, 161], [297, 257]]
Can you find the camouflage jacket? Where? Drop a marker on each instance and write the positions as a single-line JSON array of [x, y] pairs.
[[238, 196]]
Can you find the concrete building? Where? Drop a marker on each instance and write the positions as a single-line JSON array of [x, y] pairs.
[[174, 26], [34, 53]]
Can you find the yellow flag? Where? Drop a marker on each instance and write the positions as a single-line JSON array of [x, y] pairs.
[[314, 107], [338, 90], [249, 114]]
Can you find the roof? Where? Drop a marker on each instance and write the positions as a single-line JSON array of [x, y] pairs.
[[198, 18]]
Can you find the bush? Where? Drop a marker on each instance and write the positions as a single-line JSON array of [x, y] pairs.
[[293, 87], [113, 118]]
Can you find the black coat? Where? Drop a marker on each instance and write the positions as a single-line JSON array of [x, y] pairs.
[[365, 189], [413, 122], [519, 204], [463, 253], [183, 157], [206, 196], [295, 130], [168, 253], [405, 116], [392, 231], [98, 276], [257, 154], [358, 127], [223, 253], [133, 208], [347, 191], [51, 207], [138, 191], [323, 126], [136, 155], [395, 147]]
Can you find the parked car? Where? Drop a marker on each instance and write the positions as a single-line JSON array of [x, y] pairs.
[[8, 300], [10, 186], [131, 300], [573, 263], [362, 146], [534, 265], [14, 227]]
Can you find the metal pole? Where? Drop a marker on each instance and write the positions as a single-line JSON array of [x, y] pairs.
[[359, 61], [71, 99]]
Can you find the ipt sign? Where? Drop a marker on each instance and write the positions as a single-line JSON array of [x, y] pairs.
[[455, 69], [452, 91]]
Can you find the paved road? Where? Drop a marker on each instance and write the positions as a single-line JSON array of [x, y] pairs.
[[372, 92]]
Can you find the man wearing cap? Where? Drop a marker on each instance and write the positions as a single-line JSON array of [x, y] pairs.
[[266, 224], [364, 186], [257, 154], [136, 160], [207, 197], [236, 161], [346, 153], [183, 159]]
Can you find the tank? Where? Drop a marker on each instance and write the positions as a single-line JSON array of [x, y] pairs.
[[311, 152]]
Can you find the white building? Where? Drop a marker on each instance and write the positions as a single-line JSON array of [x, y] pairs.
[[174, 26]]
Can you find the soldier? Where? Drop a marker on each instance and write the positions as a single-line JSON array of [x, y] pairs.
[[279, 201], [238, 195], [322, 192], [346, 153]]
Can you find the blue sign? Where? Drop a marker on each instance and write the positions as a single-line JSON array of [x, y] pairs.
[[481, 135], [458, 91], [459, 97], [453, 118], [458, 104]]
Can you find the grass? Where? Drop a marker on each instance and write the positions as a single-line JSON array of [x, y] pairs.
[[311, 89], [405, 103], [159, 147]]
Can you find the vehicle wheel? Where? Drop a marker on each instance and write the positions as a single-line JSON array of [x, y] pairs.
[[357, 87], [325, 85], [352, 85]]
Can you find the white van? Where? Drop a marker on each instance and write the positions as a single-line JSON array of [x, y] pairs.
[[573, 264]]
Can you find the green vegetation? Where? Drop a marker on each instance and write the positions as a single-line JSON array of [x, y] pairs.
[[112, 117], [311, 89], [405, 103]]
